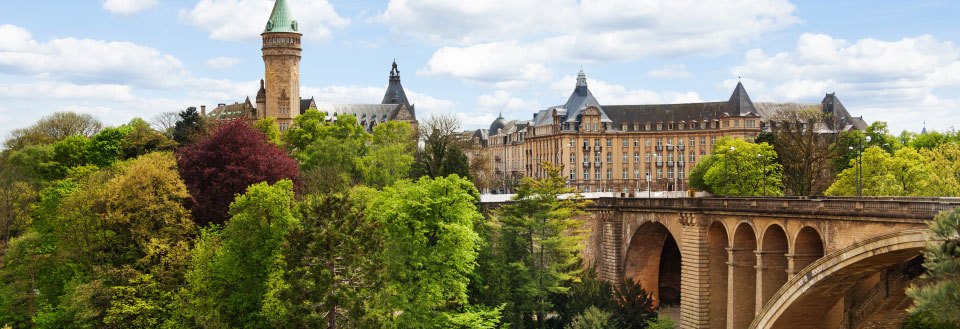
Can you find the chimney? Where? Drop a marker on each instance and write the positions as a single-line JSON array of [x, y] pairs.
[[203, 110]]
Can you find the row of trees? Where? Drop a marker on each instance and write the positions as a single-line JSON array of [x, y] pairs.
[[325, 225]]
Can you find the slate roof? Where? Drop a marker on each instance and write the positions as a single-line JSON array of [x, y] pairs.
[[382, 112], [740, 103], [395, 93], [306, 104], [497, 124], [664, 113], [580, 99]]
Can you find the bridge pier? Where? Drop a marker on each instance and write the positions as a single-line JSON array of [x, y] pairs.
[[695, 273]]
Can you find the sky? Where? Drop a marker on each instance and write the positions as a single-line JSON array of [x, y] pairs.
[[892, 61]]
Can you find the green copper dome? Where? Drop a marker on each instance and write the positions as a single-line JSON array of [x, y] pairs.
[[281, 19]]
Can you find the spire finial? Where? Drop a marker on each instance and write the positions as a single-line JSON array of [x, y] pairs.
[[500, 115], [394, 72]]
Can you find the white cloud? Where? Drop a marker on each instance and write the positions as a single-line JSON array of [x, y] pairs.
[[615, 94], [510, 41], [222, 62], [898, 81], [510, 106], [87, 60], [245, 19], [670, 71], [128, 7], [66, 91]]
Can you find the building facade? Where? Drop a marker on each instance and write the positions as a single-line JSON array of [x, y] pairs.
[[625, 148], [279, 93]]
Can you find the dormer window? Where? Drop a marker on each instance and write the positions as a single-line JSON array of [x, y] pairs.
[[647, 126], [659, 126]]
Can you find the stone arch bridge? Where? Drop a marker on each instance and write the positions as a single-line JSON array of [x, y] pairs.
[[765, 262]]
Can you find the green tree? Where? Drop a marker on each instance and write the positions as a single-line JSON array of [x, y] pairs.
[[332, 267], [106, 147], [390, 154], [586, 291], [269, 127], [943, 162], [592, 318], [442, 153], [54, 128], [236, 277], [541, 244], [634, 306], [142, 139], [190, 127], [904, 173], [328, 152], [805, 144], [429, 251], [661, 323], [938, 294], [739, 168]]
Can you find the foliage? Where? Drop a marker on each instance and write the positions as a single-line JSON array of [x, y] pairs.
[[270, 129], [442, 153], [661, 323], [390, 154], [539, 242], [223, 164], [634, 306], [938, 294], [592, 318], [106, 146], [328, 152], [53, 128], [142, 139], [429, 250], [232, 282], [98, 243], [739, 168], [586, 291], [930, 139], [190, 128], [921, 320], [331, 261], [905, 173], [804, 150]]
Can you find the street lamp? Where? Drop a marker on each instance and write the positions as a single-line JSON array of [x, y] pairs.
[[648, 186], [727, 166], [860, 143], [763, 172]]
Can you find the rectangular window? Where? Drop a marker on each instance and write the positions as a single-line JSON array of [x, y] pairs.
[[660, 141], [572, 142], [636, 142], [669, 156], [586, 175], [596, 142], [703, 140], [681, 174], [636, 126], [625, 157], [713, 140], [609, 142], [647, 127], [736, 123], [573, 158], [636, 173], [659, 126], [636, 157], [693, 157], [693, 141], [609, 157], [623, 126], [586, 189], [670, 173], [646, 141], [573, 174], [646, 157], [596, 173], [624, 142], [625, 176], [596, 157], [609, 173], [659, 173]]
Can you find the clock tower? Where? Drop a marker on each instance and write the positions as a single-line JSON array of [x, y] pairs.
[[281, 59]]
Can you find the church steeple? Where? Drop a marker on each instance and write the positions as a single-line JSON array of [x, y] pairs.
[[281, 19], [395, 93]]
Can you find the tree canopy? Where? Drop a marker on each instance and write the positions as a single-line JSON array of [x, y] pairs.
[[739, 168]]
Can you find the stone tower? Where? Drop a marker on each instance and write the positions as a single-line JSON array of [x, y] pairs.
[[281, 59]]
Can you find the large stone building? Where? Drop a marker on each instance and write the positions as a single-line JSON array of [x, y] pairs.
[[626, 148], [279, 94]]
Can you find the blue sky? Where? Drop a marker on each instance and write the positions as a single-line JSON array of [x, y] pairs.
[[890, 61]]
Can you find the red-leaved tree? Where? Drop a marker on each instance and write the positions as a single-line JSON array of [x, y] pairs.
[[224, 163]]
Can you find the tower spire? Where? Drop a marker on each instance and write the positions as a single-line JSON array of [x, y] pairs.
[[281, 19]]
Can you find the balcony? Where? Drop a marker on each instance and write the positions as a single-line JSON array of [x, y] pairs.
[[680, 148], [586, 164], [496, 158], [597, 164], [680, 163], [669, 163], [669, 147], [659, 148], [659, 163]]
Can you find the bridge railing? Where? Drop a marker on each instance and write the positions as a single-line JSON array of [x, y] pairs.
[[923, 208]]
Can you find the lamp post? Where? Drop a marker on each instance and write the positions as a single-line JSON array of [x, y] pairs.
[[727, 166], [763, 173], [860, 145], [648, 186]]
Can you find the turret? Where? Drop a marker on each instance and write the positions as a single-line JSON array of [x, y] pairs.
[[281, 59]]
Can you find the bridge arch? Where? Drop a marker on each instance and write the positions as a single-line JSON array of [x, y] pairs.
[[742, 297], [804, 300], [718, 243], [807, 248], [653, 259], [772, 258]]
